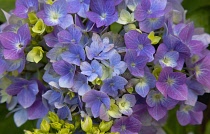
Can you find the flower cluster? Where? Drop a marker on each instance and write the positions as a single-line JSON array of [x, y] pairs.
[[106, 66]]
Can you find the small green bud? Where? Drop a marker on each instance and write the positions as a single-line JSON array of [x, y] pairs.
[[87, 124], [53, 117], [95, 130], [56, 125], [64, 131], [45, 126], [156, 71], [69, 126], [130, 90], [115, 27], [97, 81], [27, 132], [39, 27], [32, 18], [105, 126], [49, 29], [35, 55]]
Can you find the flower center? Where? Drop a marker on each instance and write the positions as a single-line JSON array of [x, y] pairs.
[[170, 81], [103, 16], [133, 64], [140, 47], [123, 127]]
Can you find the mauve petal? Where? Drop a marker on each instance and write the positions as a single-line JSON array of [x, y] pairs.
[[103, 113], [131, 39], [26, 98], [24, 34], [64, 36], [191, 98], [178, 92], [196, 117], [199, 107], [12, 54], [140, 12], [196, 47], [162, 87], [9, 40], [187, 32], [157, 112], [20, 117], [37, 110], [21, 11], [183, 118], [179, 78]]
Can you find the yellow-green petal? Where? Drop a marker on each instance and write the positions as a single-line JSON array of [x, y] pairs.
[[35, 55], [32, 18], [154, 39], [39, 27]]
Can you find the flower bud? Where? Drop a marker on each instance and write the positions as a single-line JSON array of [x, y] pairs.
[[105, 126], [87, 124], [45, 126]]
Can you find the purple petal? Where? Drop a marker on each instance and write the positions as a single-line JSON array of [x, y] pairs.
[[9, 40], [157, 5], [151, 24], [157, 112], [178, 92], [24, 34], [96, 109], [67, 21], [37, 110], [183, 117], [26, 98], [21, 11], [73, 6], [187, 33]]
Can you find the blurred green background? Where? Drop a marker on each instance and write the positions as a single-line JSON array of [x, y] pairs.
[[198, 11]]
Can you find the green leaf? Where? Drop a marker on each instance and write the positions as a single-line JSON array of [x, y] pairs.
[[115, 27], [207, 130]]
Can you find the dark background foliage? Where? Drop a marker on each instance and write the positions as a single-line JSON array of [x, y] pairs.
[[198, 11]]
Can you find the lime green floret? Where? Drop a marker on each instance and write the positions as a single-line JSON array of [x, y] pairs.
[[35, 55]]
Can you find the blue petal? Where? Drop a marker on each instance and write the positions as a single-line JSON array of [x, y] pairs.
[[20, 117]]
